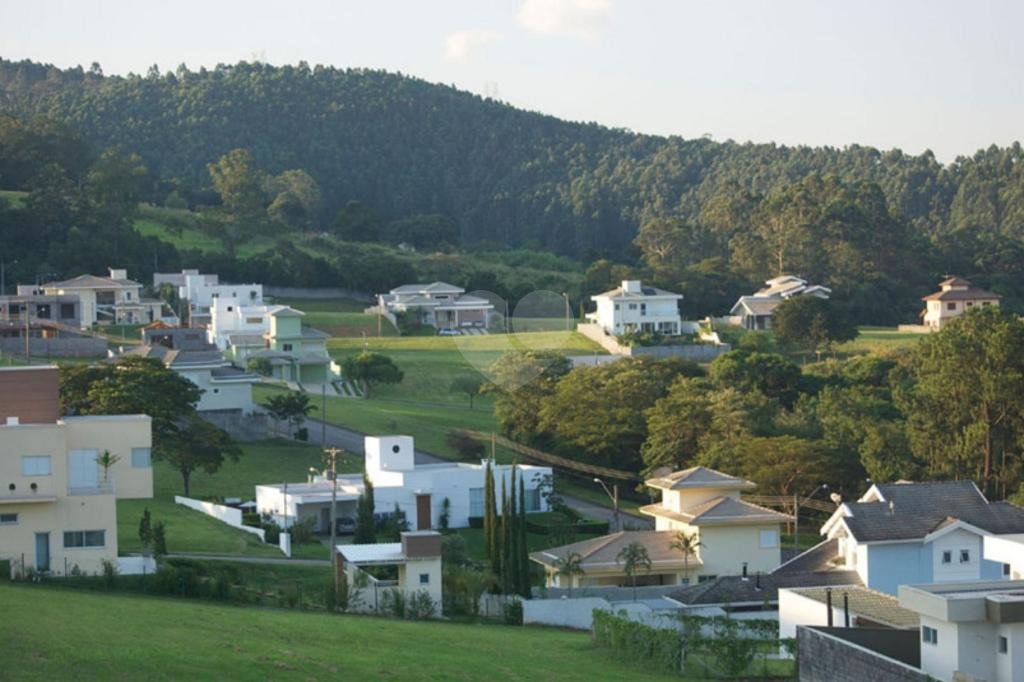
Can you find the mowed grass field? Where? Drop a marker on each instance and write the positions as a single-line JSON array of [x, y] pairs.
[[875, 339], [339, 317], [189, 531], [65, 634]]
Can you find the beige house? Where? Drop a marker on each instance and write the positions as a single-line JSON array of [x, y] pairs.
[[57, 502], [417, 558], [110, 300], [736, 537], [954, 298]]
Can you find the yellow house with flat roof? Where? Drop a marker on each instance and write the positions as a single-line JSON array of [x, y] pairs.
[[57, 501]]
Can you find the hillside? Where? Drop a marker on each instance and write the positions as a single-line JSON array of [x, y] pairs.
[[62, 633], [405, 146]]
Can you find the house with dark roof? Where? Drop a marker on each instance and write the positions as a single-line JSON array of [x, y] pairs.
[[955, 297], [438, 304], [755, 312], [226, 387], [110, 300], [909, 533], [634, 307], [733, 535]]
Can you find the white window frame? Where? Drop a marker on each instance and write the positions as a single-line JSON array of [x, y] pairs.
[[84, 534], [773, 539], [36, 471], [929, 635]]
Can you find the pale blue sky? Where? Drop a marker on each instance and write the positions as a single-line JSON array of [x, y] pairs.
[[943, 75]]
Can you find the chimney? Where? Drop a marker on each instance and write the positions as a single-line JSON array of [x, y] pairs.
[[892, 508], [30, 395], [631, 286], [744, 570], [757, 581], [846, 609]]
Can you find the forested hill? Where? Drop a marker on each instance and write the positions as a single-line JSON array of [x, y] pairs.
[[404, 146]]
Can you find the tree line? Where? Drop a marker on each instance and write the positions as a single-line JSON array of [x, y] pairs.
[[950, 408]]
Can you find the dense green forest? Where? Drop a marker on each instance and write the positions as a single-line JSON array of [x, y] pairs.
[[375, 156]]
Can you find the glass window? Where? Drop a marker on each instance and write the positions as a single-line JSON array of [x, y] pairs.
[[67, 311], [76, 539], [965, 556], [929, 635], [476, 502], [424, 578], [35, 465], [951, 306], [142, 458], [1006, 569], [8, 519], [947, 557], [769, 539], [286, 347], [1004, 645], [532, 499]]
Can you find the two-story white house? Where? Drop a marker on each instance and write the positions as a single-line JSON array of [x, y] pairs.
[[419, 490], [755, 312], [955, 297], [200, 290], [735, 537], [913, 533], [633, 308]]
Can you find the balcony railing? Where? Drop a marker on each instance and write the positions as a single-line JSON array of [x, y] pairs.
[[98, 488]]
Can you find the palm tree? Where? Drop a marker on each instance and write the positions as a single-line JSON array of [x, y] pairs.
[[570, 567], [107, 460], [632, 557], [687, 543]]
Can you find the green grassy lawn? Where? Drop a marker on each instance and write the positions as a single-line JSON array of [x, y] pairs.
[[534, 541], [189, 531], [64, 634], [872, 339], [340, 317], [13, 197], [188, 238]]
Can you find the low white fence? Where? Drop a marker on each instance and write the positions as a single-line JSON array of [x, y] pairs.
[[228, 515], [578, 613], [136, 565], [915, 328]]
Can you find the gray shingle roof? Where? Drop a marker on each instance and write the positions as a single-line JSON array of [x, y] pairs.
[[644, 291], [433, 287], [699, 477], [734, 589], [877, 607], [720, 511], [919, 509], [816, 559]]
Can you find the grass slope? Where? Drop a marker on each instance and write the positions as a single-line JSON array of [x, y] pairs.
[[339, 317], [64, 634]]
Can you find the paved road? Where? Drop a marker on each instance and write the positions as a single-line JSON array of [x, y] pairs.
[[352, 441]]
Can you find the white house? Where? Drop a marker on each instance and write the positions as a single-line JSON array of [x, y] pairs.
[[970, 631], [110, 300], [913, 533], [633, 307], [419, 490], [439, 304], [755, 312], [185, 351], [201, 290], [955, 297]]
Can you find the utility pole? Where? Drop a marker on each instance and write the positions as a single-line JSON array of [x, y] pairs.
[[333, 454], [323, 417]]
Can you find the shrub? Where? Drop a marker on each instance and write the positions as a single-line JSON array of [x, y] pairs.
[[394, 602], [466, 446], [302, 530], [5, 569], [159, 539], [420, 606], [476, 522], [302, 434], [512, 612], [109, 573]]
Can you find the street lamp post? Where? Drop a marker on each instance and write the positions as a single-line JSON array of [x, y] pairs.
[[796, 513], [567, 311], [333, 453], [614, 495]]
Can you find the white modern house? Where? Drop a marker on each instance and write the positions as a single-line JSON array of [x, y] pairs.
[[226, 387], [201, 290], [633, 307], [970, 631], [439, 304], [755, 312], [109, 300], [955, 297], [914, 533], [419, 490]]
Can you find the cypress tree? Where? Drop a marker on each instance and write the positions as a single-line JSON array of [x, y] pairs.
[[524, 552], [504, 541], [490, 522], [365, 528], [513, 542]]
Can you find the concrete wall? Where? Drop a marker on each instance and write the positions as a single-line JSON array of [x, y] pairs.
[[73, 347], [829, 655], [228, 515]]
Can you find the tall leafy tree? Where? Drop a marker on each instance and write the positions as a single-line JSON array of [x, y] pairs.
[[370, 369], [366, 527]]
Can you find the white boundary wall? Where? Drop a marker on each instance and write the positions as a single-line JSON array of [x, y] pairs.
[[228, 515]]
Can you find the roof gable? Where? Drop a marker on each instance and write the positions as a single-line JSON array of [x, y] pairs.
[[699, 477]]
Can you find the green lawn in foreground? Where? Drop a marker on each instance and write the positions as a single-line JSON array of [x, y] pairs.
[[189, 531], [65, 634]]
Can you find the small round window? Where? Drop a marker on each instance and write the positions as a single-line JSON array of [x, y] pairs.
[[395, 448]]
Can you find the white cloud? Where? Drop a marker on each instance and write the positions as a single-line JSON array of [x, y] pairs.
[[576, 18], [460, 46]]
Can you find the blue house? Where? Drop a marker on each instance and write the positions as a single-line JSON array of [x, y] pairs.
[[912, 533]]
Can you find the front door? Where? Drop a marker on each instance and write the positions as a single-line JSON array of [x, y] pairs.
[[423, 512], [85, 473], [42, 552]]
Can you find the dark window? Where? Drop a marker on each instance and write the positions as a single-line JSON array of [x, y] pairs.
[[947, 557], [8, 519], [84, 538], [929, 635], [43, 311], [286, 347], [67, 311], [424, 578], [1004, 645], [951, 306], [965, 556], [1006, 569]]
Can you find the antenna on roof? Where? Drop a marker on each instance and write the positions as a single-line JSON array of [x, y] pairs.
[[892, 508]]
